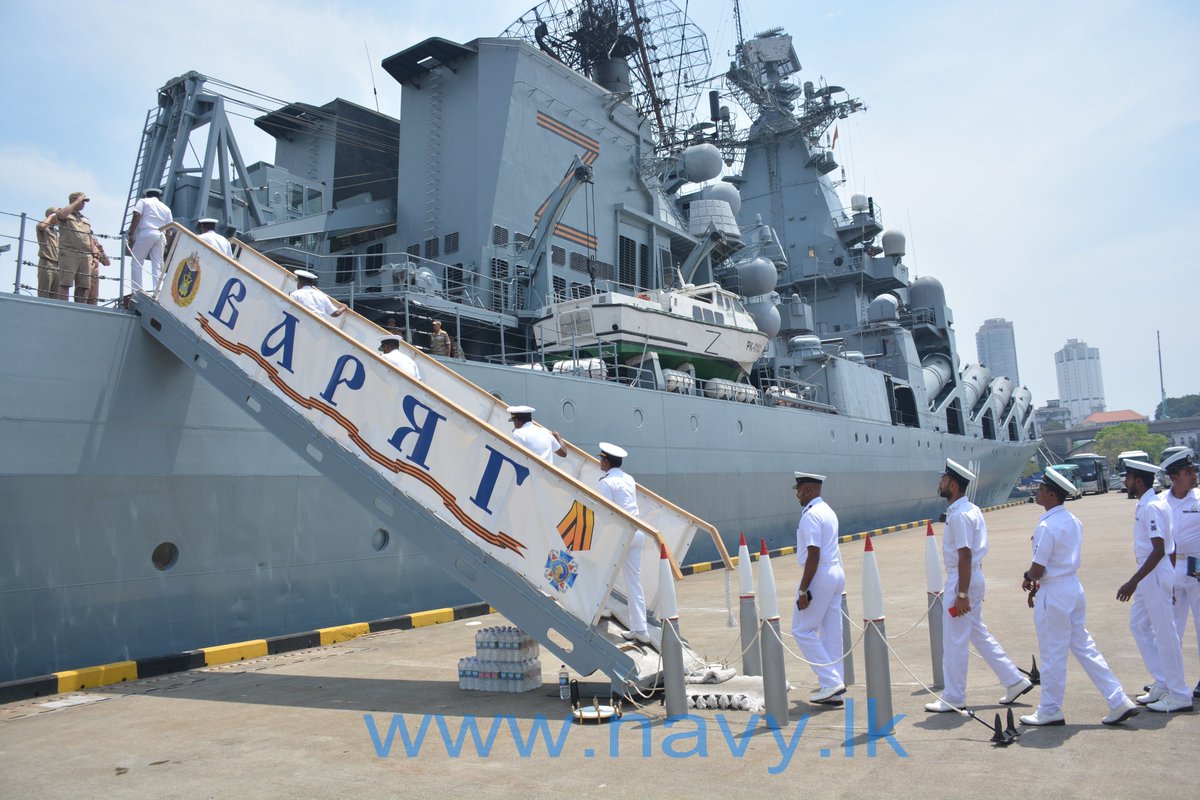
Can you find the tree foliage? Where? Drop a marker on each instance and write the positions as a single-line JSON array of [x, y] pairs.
[[1176, 407], [1115, 439]]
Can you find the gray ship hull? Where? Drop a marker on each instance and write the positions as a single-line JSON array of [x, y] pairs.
[[111, 447]]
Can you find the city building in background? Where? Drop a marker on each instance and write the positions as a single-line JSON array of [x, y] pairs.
[[1054, 415], [997, 348], [1080, 383]]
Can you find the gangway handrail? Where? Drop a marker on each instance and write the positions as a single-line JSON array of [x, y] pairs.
[[424, 360]]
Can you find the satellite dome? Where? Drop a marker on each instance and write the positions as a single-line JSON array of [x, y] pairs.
[[727, 192], [756, 276], [926, 292], [894, 243], [766, 317], [702, 162], [883, 309]]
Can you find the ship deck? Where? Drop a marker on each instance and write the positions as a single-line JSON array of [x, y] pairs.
[[302, 722]]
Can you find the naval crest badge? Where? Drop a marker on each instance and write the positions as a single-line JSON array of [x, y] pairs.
[[186, 281], [561, 570]]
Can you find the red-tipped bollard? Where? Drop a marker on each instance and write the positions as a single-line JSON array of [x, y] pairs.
[[875, 649], [672, 644], [774, 670], [748, 612], [934, 583]]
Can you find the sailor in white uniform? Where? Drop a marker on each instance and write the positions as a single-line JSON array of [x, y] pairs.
[[312, 298], [964, 545], [389, 347], [1152, 619], [1184, 499], [817, 621], [1060, 609], [544, 444], [621, 489], [150, 218], [209, 235]]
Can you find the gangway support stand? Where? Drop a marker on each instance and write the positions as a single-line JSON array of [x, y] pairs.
[[525, 606]]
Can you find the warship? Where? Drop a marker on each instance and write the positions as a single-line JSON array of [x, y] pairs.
[[645, 252]]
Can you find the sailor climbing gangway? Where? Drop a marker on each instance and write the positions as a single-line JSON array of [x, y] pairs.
[[536, 542]]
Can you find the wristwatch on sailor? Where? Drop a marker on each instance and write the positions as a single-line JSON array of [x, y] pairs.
[[962, 595]]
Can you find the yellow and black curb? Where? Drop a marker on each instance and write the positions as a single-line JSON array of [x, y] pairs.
[[121, 671]]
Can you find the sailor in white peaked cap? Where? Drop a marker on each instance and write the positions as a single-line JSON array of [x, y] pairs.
[[1184, 499], [1060, 609], [389, 347], [208, 233], [964, 545], [312, 298], [817, 619], [544, 444], [1152, 617], [620, 487]]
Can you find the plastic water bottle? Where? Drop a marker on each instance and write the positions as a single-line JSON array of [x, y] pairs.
[[564, 683]]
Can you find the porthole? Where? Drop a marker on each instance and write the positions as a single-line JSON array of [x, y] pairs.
[[695, 422], [638, 418], [380, 540], [568, 410], [164, 556]]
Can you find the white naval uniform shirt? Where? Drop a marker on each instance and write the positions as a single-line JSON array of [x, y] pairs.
[[818, 528], [1057, 542], [405, 362], [964, 528], [621, 488], [537, 439], [1185, 522], [1152, 520], [314, 300], [155, 214], [218, 242]]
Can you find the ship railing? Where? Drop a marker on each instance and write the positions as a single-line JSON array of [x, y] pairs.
[[917, 316]]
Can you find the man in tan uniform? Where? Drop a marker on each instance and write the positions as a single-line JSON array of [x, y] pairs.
[[74, 248], [47, 236]]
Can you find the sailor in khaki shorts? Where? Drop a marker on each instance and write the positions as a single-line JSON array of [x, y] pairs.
[[74, 248], [47, 237]]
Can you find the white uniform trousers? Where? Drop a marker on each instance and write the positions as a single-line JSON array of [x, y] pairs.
[[147, 250], [1059, 614], [818, 628], [1152, 622], [631, 571], [958, 633], [1187, 598]]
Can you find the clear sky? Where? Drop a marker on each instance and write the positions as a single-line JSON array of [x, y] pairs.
[[1042, 157]]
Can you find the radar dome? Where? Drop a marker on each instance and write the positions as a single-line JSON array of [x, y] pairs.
[[883, 309], [702, 162], [766, 317], [756, 276], [894, 243], [727, 192], [858, 202], [926, 292]]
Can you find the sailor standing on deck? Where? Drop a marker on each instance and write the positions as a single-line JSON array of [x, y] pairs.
[[1184, 499], [544, 444], [312, 298], [620, 487], [964, 545], [817, 621], [1060, 609], [1152, 620]]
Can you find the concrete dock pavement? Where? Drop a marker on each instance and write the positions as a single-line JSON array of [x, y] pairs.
[[382, 715]]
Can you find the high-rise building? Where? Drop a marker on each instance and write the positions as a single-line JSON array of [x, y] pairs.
[[1080, 384], [997, 349]]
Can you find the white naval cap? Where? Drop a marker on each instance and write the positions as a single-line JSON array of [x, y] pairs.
[[807, 477], [955, 468], [1141, 466], [390, 338], [613, 450], [303, 273], [1053, 476], [1177, 461], [521, 409], [206, 221], [152, 193]]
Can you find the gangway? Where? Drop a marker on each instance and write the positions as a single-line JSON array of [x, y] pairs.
[[535, 541]]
